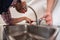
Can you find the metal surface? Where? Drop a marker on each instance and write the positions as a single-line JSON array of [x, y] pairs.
[[41, 31], [30, 32]]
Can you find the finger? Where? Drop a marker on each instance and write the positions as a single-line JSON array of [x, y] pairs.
[[33, 21], [49, 22], [48, 19], [29, 21], [44, 16]]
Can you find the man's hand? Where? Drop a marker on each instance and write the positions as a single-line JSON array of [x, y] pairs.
[[28, 20], [48, 18]]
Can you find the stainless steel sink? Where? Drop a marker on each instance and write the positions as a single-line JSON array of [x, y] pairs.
[[30, 32], [45, 32]]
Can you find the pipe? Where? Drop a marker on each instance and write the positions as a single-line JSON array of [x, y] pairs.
[[35, 14]]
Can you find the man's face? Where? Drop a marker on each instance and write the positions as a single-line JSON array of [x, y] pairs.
[[21, 6]]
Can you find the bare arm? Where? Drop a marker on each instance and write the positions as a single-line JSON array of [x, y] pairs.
[[17, 20], [50, 5], [48, 13]]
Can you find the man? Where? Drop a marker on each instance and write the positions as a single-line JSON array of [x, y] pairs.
[[5, 13]]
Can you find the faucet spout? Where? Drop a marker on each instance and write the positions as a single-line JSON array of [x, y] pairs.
[[35, 14]]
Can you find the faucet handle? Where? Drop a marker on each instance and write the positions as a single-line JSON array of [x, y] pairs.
[[41, 21]]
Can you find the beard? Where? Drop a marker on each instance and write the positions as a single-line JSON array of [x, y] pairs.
[[21, 7]]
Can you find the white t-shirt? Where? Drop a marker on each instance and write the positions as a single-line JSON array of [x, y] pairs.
[[56, 17], [56, 14]]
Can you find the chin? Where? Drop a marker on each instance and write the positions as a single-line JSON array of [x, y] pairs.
[[22, 11]]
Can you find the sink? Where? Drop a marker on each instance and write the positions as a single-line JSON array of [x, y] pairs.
[[29, 32], [41, 31]]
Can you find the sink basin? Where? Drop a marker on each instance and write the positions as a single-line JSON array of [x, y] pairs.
[[41, 31], [30, 32]]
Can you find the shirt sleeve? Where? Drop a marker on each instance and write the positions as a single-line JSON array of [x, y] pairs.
[[7, 18]]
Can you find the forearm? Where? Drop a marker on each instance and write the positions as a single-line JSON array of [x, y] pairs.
[[17, 20], [50, 5], [11, 21]]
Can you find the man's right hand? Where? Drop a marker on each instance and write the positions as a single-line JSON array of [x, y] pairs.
[[28, 20]]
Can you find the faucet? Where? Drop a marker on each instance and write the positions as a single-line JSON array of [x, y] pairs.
[[37, 21]]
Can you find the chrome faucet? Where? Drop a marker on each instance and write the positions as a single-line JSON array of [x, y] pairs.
[[38, 21]]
